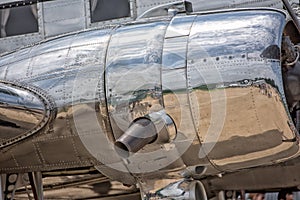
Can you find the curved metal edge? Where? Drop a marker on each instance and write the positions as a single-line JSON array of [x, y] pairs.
[[240, 9], [50, 111], [147, 13]]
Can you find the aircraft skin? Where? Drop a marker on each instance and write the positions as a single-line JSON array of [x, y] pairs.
[[44, 19], [169, 103]]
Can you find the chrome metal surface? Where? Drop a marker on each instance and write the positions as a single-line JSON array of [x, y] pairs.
[[236, 91], [174, 86], [145, 72], [164, 126], [203, 5], [61, 17], [69, 69], [178, 27], [133, 88], [133, 84], [209, 76], [24, 112]]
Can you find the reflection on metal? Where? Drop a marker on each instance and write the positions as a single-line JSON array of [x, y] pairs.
[[207, 81], [164, 125], [231, 83], [58, 17], [204, 5], [181, 190], [133, 86], [24, 112]]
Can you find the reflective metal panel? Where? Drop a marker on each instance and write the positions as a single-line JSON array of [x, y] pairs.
[[133, 73], [227, 34], [71, 70], [202, 5], [235, 88], [22, 113], [180, 26], [175, 96], [174, 55]]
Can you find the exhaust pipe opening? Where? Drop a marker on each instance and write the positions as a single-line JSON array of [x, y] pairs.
[[121, 150], [139, 134], [155, 127]]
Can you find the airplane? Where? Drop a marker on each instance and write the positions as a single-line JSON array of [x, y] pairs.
[[184, 104]]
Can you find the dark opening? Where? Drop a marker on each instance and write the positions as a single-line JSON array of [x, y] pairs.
[[102, 10], [121, 150], [18, 21]]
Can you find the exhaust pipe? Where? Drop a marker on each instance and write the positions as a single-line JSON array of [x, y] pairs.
[[139, 134], [156, 126]]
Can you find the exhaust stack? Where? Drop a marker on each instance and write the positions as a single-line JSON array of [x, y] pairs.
[[139, 134], [156, 126]]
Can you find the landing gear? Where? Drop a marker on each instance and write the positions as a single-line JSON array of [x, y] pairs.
[[36, 182], [9, 183]]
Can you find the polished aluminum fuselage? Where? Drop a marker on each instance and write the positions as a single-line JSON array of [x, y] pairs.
[[61, 17], [217, 75]]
